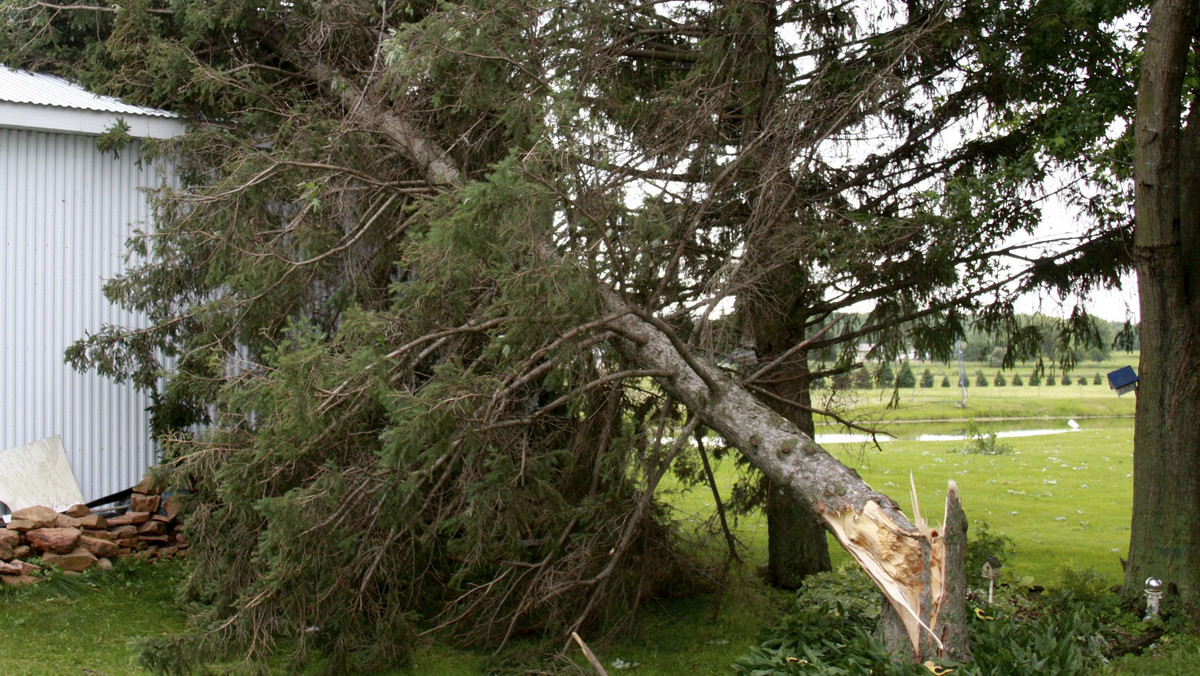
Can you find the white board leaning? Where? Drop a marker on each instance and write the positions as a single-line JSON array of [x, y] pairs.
[[38, 473]]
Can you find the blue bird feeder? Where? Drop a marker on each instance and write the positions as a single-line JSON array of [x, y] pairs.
[[1123, 380]]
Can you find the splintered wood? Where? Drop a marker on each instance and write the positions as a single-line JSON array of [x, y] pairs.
[[907, 563]]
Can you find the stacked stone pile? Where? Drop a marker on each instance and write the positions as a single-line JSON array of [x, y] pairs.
[[76, 540]]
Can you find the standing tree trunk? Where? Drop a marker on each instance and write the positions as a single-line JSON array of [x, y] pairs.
[[796, 543], [1164, 542]]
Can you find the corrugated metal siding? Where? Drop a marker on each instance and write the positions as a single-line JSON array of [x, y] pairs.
[[65, 213]]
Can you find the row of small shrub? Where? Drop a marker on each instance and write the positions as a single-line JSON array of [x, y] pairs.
[[981, 380], [884, 376]]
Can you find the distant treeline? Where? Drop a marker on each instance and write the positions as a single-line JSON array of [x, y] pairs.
[[978, 346]]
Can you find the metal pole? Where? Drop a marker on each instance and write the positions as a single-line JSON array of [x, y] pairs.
[[962, 373]]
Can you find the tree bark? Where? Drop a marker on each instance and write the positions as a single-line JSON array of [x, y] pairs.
[[1164, 542], [796, 542]]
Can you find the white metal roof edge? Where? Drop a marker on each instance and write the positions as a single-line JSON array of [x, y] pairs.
[[36, 117], [42, 89]]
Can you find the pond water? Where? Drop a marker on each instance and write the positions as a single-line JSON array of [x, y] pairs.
[[957, 430]]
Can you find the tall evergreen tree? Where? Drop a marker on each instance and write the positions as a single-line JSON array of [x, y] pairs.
[[423, 258]]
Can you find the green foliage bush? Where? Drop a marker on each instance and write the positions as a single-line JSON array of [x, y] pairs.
[[945, 381], [906, 377], [927, 378], [980, 443], [1097, 380], [884, 375], [1035, 379], [1017, 380], [999, 380], [982, 543], [980, 379], [862, 379], [1066, 379], [831, 632]]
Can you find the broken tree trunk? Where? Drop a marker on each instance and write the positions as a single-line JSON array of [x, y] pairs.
[[910, 563], [918, 568]]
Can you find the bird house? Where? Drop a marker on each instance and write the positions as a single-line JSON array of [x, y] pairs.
[[1123, 380], [991, 568]]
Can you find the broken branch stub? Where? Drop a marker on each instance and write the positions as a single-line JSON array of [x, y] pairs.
[[907, 561]]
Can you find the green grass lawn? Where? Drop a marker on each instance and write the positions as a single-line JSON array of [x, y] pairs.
[[85, 624], [1064, 499]]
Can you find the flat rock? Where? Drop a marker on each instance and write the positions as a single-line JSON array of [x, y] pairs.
[[18, 568], [172, 506], [155, 539], [6, 552], [10, 537], [104, 564], [78, 511], [78, 560], [64, 521], [17, 579], [53, 540], [129, 518], [26, 566], [22, 551], [144, 503], [152, 528], [147, 486], [93, 521], [42, 517], [101, 534], [98, 547], [120, 532], [21, 525]]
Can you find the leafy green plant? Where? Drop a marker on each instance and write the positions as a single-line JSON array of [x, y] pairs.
[[1064, 642], [830, 632], [983, 543], [980, 443]]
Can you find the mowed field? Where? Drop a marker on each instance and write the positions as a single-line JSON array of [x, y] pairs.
[[1063, 496]]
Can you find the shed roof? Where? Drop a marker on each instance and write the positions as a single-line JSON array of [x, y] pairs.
[[48, 103]]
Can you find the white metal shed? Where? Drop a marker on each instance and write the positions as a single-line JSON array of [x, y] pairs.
[[66, 211]]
